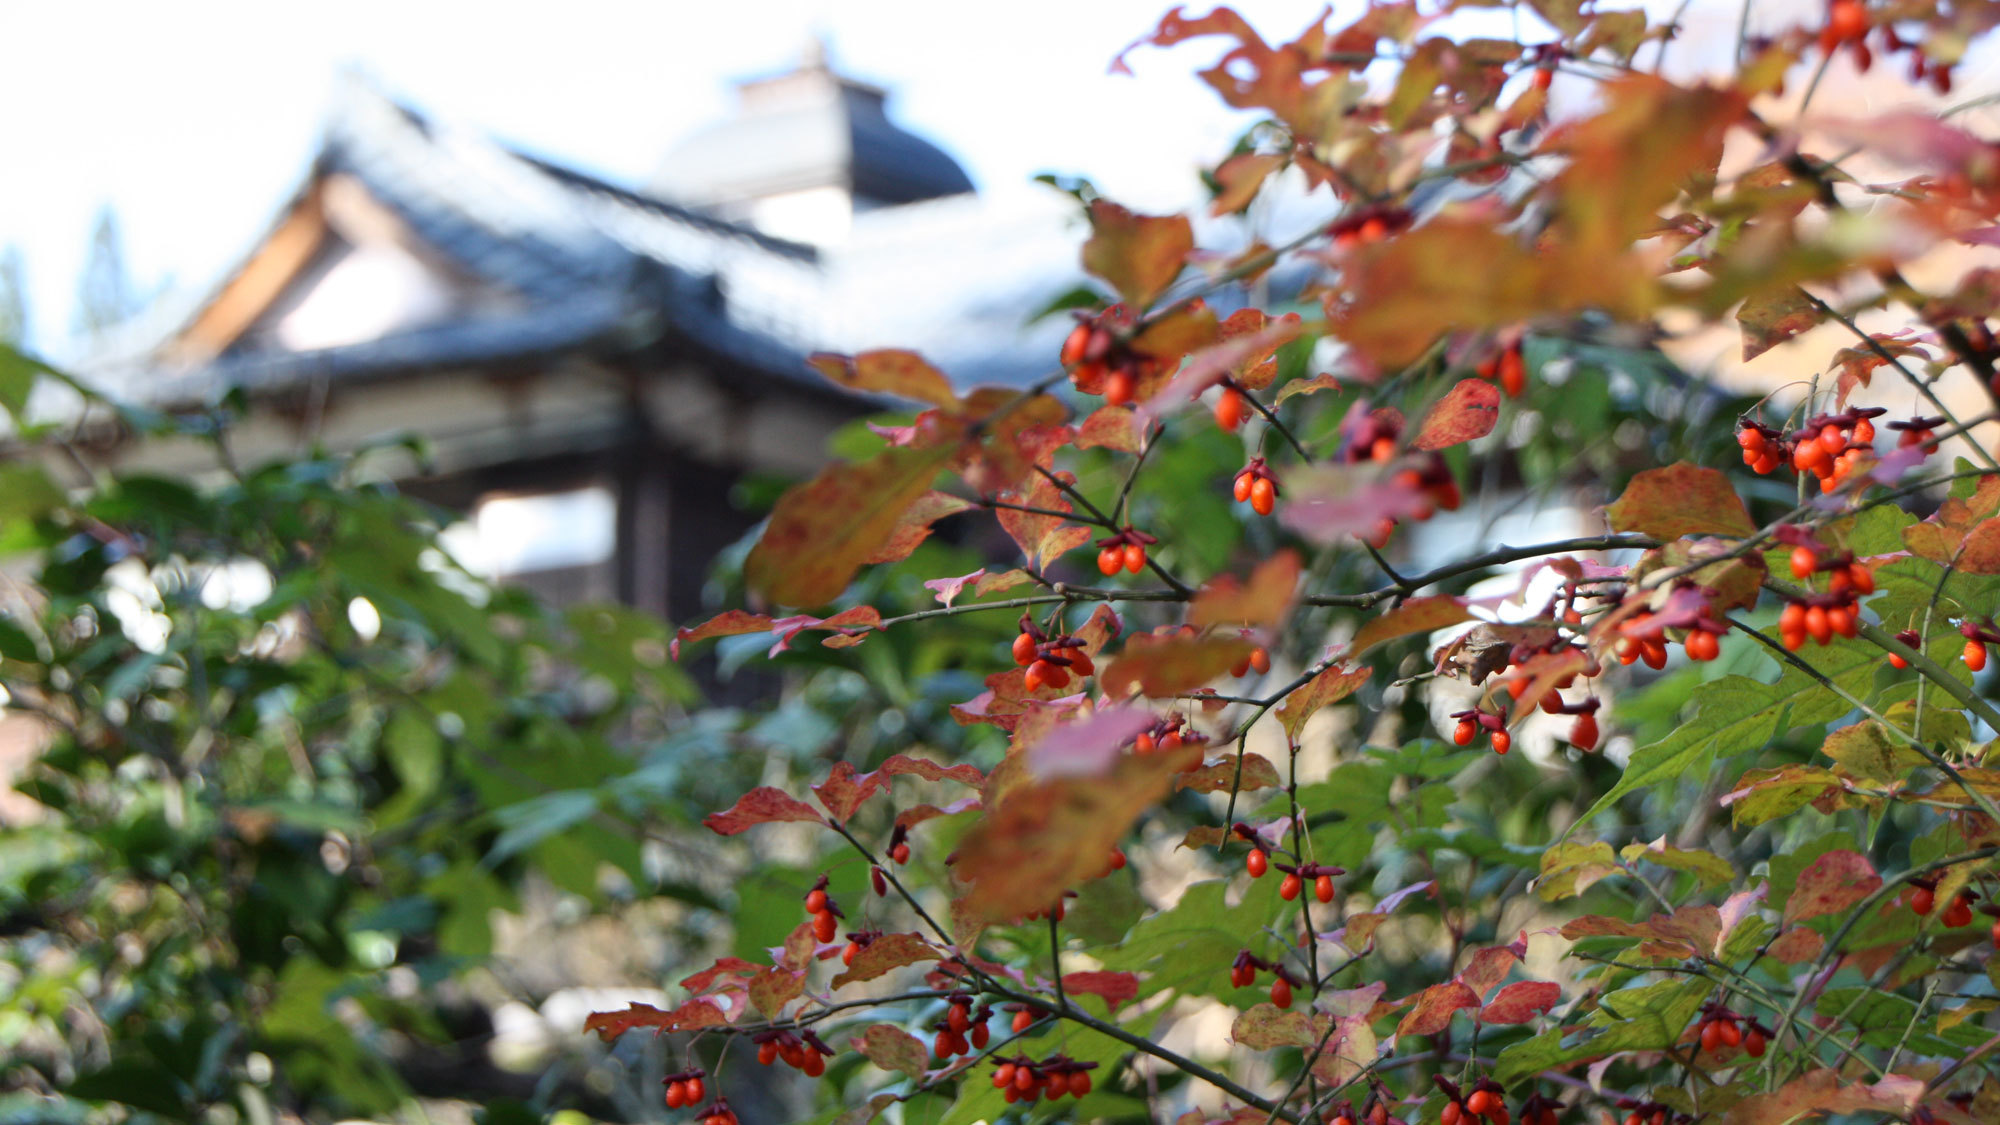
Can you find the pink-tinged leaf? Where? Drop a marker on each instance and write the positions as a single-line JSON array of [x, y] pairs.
[[1680, 499], [1835, 881], [885, 954], [890, 371], [1172, 666], [892, 1048], [1418, 615], [763, 805], [1253, 773], [1088, 747], [1110, 427], [1771, 318], [1797, 945], [1206, 367], [915, 526], [1241, 177], [1059, 542], [1264, 1026], [1737, 907], [693, 1014], [730, 624], [917, 814], [905, 765], [1115, 987], [822, 531], [1032, 531], [841, 793], [1331, 686], [1909, 137], [1313, 385], [1521, 1001], [1326, 503], [1434, 1008], [1826, 1091], [727, 971], [854, 624], [1690, 931], [774, 988], [1001, 582], [1140, 255], [1263, 602], [947, 590], [1470, 411], [1490, 966]]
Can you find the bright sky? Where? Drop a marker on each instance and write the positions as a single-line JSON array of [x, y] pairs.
[[196, 120]]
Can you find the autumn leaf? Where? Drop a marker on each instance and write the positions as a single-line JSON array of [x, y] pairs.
[[887, 953], [762, 805], [1240, 178], [1470, 410], [1331, 685], [1172, 666], [891, 371], [1140, 255], [1434, 1008], [693, 1014], [1520, 1002], [1249, 773], [1326, 503], [1115, 987], [1088, 747], [733, 623], [821, 532], [1834, 882], [1264, 1025], [1680, 499], [1771, 318], [1110, 427], [1045, 837], [1418, 615], [1633, 157], [892, 1048], [915, 526], [1825, 1091], [1264, 601]]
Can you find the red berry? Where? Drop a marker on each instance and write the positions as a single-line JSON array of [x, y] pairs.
[[1862, 577], [1583, 735], [1323, 888], [1753, 1043], [1229, 408], [1959, 913], [1256, 863], [1281, 992], [1074, 344], [1502, 742], [1451, 1114], [824, 925], [1922, 901], [1711, 1035], [900, 853], [1805, 562], [1003, 1075], [1975, 655], [1079, 1083], [1289, 888], [1135, 557], [1263, 496], [1846, 20], [1118, 388], [1481, 1101], [1464, 732], [1260, 660], [1024, 650], [676, 1095], [767, 1053], [1109, 560], [815, 901], [1818, 624], [1702, 645], [1513, 372], [1729, 1034], [1243, 483]]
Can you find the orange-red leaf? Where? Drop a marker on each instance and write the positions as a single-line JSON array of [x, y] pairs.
[[1114, 987], [1835, 881], [693, 1014], [1172, 666], [887, 953], [892, 371], [1521, 1001], [821, 532], [1109, 427], [1255, 773], [915, 525], [1330, 686], [1418, 615], [1469, 411], [733, 623], [1140, 255], [1264, 601], [762, 805], [1680, 499], [1826, 1091], [1771, 318], [1434, 1009]]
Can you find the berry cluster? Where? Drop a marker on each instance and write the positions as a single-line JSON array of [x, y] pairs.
[[803, 1051], [1829, 446], [1923, 899], [1170, 733], [823, 911], [1050, 660], [1377, 1112], [1721, 1028], [686, 1088], [1485, 1100], [1507, 365], [1025, 1079], [1126, 549], [1257, 487], [1243, 973], [1471, 722], [1259, 661], [1100, 359], [962, 1030], [1373, 223], [1848, 26], [1978, 634], [1644, 1113]]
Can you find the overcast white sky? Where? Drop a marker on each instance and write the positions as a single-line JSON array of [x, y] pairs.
[[195, 120]]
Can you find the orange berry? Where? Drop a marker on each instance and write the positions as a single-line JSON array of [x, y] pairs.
[[1073, 345], [1281, 992], [1260, 660], [1805, 562], [1110, 559], [1502, 742], [1513, 372], [1256, 863], [1481, 1102], [676, 1095], [1808, 456], [1975, 655], [1119, 387], [1135, 557], [815, 901], [1243, 482], [1323, 888], [1729, 1033], [1831, 439], [1922, 901], [824, 926], [1842, 620], [1862, 577], [1229, 408], [1846, 20], [1959, 913], [1289, 889], [767, 1053], [1263, 496], [1024, 650], [1654, 653], [1818, 625], [1703, 645], [1466, 729], [1583, 735], [1864, 433]]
